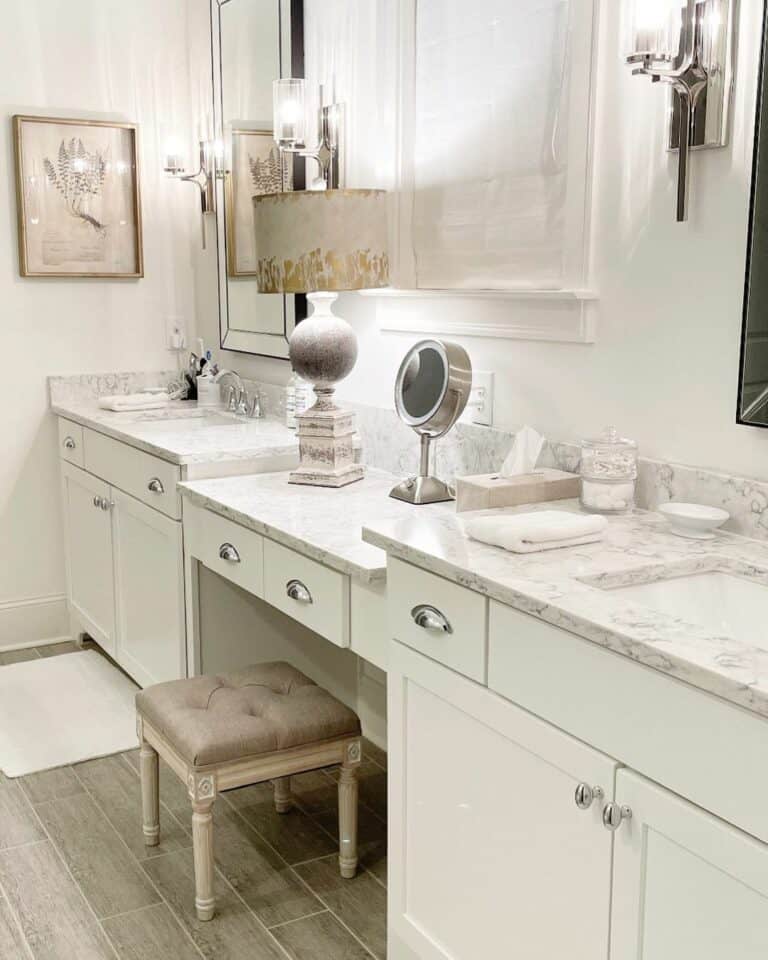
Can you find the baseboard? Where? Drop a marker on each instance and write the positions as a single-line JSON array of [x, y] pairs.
[[33, 622]]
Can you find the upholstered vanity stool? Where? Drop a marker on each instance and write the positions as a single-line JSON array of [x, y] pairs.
[[265, 722]]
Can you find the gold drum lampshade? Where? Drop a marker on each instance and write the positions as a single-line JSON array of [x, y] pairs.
[[321, 240]]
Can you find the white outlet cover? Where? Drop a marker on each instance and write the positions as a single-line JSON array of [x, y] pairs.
[[482, 394]]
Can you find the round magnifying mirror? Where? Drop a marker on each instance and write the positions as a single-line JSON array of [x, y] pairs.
[[431, 392]]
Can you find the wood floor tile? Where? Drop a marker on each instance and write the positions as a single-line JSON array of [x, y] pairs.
[[18, 823], [117, 790], [173, 793], [108, 875], [321, 937], [315, 791], [294, 835], [361, 903], [54, 916], [371, 838], [51, 785], [12, 942], [150, 934], [269, 887], [57, 649], [372, 752], [8, 657], [233, 934]]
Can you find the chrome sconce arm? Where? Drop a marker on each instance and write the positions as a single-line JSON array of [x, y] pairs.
[[205, 179], [700, 77], [327, 153]]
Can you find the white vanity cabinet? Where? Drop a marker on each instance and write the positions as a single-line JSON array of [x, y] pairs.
[[490, 855], [685, 884]]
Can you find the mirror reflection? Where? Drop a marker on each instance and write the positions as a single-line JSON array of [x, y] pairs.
[[423, 383]]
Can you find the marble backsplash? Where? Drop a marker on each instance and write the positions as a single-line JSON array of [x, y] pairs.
[[468, 449]]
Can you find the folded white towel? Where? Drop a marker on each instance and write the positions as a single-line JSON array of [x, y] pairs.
[[134, 401], [530, 532]]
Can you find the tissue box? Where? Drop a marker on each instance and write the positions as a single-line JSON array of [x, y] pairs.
[[486, 491]]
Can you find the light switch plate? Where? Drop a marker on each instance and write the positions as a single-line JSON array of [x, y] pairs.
[[481, 398]]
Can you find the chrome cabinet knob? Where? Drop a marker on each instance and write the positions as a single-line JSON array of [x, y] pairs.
[[585, 795], [430, 618], [299, 591], [97, 501], [229, 553], [614, 815], [69, 443], [155, 485], [106, 504]]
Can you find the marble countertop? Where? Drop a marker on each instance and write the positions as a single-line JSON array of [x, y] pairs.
[[321, 523], [184, 433], [570, 589]]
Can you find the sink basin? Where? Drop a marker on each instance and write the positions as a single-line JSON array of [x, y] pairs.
[[194, 420], [722, 603]]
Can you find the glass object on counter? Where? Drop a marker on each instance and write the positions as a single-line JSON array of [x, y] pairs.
[[608, 473]]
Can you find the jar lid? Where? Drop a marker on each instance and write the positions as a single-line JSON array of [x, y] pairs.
[[610, 439]]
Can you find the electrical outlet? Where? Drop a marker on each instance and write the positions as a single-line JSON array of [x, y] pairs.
[[176, 337], [481, 398]]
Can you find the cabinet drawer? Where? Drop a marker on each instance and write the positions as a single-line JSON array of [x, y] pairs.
[[71, 442], [143, 476], [446, 622], [232, 551], [309, 592]]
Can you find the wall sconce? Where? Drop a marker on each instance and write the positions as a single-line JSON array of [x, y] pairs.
[[289, 105], [211, 169], [687, 44]]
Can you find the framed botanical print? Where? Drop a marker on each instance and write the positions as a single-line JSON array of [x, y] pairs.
[[78, 197], [257, 168]]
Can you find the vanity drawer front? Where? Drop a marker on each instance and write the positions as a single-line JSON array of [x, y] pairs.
[[71, 442], [232, 551], [309, 592], [143, 476], [438, 618]]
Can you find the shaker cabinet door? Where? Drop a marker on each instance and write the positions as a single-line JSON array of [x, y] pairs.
[[89, 553], [490, 854], [686, 884], [149, 580]]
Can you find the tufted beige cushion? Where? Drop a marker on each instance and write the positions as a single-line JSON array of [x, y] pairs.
[[260, 709]]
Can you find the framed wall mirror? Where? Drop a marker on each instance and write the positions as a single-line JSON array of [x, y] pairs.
[[253, 42], [753, 379]]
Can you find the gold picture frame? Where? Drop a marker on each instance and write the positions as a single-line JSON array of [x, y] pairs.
[[78, 198], [268, 172]]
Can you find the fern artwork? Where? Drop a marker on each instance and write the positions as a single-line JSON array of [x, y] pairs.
[[78, 198], [257, 168]]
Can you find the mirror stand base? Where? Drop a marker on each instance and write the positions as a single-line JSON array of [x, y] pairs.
[[421, 490]]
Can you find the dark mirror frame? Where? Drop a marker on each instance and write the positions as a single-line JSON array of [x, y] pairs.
[[753, 365], [294, 306]]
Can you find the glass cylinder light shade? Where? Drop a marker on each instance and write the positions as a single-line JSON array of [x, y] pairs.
[[656, 28], [289, 111]]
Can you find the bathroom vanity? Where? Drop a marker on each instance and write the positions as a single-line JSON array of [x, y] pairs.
[[575, 768], [123, 518]]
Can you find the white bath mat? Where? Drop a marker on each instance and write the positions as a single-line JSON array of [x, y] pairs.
[[60, 710]]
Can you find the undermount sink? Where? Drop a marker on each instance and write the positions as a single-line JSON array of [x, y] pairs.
[[723, 603], [194, 418]]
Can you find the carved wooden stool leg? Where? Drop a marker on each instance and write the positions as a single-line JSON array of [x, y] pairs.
[[283, 799], [202, 840], [150, 794], [348, 820]]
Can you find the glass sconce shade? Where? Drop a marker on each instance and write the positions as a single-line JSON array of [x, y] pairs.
[[656, 28], [288, 101]]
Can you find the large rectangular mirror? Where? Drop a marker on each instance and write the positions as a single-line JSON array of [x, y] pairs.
[[753, 383], [253, 42]]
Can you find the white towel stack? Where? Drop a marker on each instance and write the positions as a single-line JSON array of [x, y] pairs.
[[134, 401], [531, 532]]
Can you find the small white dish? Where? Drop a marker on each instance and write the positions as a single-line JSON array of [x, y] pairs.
[[693, 520]]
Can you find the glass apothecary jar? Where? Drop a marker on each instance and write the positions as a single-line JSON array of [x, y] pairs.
[[608, 473]]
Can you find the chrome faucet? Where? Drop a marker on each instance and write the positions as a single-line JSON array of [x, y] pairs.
[[235, 390]]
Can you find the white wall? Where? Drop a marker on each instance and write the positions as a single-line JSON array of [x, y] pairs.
[[98, 59], [665, 367]]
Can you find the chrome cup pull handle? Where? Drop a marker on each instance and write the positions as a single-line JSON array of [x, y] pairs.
[[69, 443], [229, 553], [614, 815], [155, 485], [299, 591], [430, 618]]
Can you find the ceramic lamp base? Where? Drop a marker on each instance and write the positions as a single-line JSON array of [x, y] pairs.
[[326, 446]]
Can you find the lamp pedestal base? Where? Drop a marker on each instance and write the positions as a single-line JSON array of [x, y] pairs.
[[326, 447]]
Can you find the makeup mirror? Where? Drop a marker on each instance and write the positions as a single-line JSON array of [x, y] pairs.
[[431, 393]]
